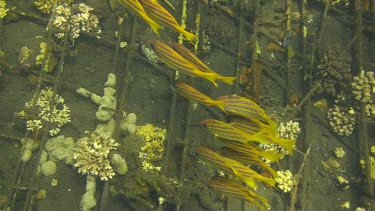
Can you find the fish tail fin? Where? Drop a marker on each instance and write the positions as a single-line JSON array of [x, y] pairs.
[[227, 80], [260, 198], [272, 124], [271, 155], [288, 144], [190, 36], [260, 137], [211, 77], [154, 26], [219, 104]]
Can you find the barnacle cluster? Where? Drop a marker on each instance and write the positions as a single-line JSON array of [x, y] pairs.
[[77, 18], [91, 155], [153, 149], [342, 120], [38, 113], [364, 91], [289, 130], [46, 6], [343, 115], [285, 180], [333, 73]]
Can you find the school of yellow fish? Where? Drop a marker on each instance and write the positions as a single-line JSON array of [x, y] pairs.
[[248, 124]]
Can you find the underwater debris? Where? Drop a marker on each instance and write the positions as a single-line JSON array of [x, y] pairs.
[[251, 80], [273, 47]]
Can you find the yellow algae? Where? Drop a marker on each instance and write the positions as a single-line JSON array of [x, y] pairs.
[[46, 57], [339, 152], [153, 149], [41, 194], [331, 165], [3, 10]]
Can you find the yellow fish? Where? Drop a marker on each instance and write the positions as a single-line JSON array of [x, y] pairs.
[[231, 166], [247, 159], [175, 61], [219, 162], [136, 7], [163, 17], [232, 189], [244, 107], [191, 57], [194, 95], [227, 131], [250, 149], [248, 172], [252, 127]]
